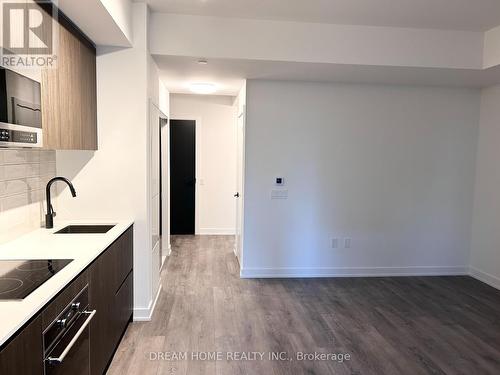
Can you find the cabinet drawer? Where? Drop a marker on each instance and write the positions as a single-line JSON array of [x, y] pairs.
[[123, 257], [102, 293], [123, 307], [63, 299]]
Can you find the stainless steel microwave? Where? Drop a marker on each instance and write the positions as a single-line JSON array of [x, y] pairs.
[[20, 111]]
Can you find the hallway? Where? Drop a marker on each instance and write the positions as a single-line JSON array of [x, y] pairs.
[[438, 325]]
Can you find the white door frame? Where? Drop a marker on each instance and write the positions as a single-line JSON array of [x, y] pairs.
[[165, 187], [152, 209], [198, 173], [240, 206]]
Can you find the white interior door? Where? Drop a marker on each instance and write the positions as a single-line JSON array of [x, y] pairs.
[[240, 131]]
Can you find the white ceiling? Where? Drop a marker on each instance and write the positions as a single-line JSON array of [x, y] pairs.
[[177, 72], [474, 15], [228, 74]]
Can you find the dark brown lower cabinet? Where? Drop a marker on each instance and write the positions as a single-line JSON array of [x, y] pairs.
[[110, 286], [24, 354], [111, 295]]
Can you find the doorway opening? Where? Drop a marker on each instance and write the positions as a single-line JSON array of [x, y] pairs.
[[183, 177], [206, 168]]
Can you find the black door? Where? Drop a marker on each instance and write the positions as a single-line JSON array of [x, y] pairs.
[[182, 176]]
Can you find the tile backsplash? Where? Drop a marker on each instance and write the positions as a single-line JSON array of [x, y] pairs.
[[23, 176]]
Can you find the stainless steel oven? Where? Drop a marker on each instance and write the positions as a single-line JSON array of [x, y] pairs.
[[20, 110], [66, 340]]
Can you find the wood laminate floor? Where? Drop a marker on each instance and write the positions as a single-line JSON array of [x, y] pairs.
[[405, 325]]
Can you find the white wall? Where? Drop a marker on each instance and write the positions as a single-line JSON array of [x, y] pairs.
[[112, 182], [390, 167], [492, 47], [485, 253], [219, 37], [216, 168]]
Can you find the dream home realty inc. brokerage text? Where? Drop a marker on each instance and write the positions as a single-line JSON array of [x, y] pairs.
[[248, 356]]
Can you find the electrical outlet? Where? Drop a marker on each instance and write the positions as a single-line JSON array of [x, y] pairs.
[[335, 243], [347, 243]]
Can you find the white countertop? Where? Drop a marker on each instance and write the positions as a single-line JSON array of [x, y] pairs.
[[43, 244]]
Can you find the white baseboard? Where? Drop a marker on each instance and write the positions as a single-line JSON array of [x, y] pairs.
[[485, 277], [351, 272], [217, 231], [144, 314]]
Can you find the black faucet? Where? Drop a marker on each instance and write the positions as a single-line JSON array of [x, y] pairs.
[[49, 217]]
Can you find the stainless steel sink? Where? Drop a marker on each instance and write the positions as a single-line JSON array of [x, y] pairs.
[[85, 228]]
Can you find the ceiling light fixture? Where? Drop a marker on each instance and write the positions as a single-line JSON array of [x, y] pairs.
[[202, 62], [203, 88]]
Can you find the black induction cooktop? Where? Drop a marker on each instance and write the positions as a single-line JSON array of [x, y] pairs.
[[19, 278]]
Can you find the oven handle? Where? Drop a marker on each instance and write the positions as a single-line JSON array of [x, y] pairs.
[[74, 339]]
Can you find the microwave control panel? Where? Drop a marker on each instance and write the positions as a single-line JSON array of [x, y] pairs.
[[17, 136]]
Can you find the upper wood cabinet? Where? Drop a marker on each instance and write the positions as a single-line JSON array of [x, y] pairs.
[[69, 103]]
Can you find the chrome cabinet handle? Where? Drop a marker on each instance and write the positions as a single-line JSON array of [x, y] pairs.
[[74, 339], [75, 306], [62, 322]]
